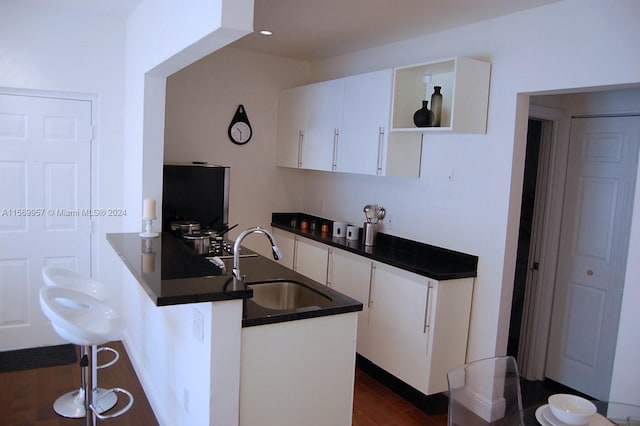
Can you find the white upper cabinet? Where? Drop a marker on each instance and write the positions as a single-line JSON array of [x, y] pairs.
[[323, 121], [309, 120], [364, 123], [291, 123]]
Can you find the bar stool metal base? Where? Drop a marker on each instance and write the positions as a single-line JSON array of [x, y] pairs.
[[71, 404]]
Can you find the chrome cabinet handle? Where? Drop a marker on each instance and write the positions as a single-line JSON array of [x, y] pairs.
[[295, 254], [373, 270], [380, 143], [300, 144], [336, 136], [427, 308], [329, 268]]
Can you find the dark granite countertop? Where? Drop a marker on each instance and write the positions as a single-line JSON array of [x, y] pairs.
[[171, 273], [423, 259]]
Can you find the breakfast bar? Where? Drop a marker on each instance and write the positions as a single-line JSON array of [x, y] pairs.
[[244, 343]]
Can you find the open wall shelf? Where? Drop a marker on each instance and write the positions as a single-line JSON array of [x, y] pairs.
[[465, 92]]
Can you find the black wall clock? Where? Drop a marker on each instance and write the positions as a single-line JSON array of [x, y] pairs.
[[240, 131]]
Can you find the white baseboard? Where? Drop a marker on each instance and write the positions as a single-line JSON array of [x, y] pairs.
[[488, 410]]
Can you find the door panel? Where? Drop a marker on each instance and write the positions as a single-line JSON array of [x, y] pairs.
[[291, 121], [584, 324], [601, 171], [45, 178], [323, 119], [351, 274], [397, 318], [367, 103], [311, 259], [13, 177]]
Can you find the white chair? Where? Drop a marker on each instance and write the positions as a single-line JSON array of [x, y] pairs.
[[71, 404], [485, 392], [83, 320]]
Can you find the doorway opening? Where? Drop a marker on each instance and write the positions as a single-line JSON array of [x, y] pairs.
[[532, 158], [535, 208], [551, 194]]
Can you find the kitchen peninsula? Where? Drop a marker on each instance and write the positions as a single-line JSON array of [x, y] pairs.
[[275, 346]]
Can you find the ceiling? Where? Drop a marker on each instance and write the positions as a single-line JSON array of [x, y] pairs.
[[317, 29]]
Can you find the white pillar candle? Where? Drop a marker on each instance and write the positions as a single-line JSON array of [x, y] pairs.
[[149, 208]]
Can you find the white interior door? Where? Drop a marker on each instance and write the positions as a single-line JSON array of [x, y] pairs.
[[603, 157], [45, 182]]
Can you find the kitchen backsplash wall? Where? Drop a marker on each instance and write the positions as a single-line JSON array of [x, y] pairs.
[[201, 101]]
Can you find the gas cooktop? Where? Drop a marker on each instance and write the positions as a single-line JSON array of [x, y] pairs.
[[223, 249]]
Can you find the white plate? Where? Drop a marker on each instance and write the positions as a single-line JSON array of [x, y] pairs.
[[539, 416], [546, 418]]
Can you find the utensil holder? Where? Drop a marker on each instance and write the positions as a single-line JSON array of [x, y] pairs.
[[370, 231]]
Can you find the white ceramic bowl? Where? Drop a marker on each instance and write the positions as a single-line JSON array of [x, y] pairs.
[[571, 409]]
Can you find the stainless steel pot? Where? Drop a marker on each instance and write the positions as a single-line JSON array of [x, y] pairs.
[[183, 227], [199, 240]]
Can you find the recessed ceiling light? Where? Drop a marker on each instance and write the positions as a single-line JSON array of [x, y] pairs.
[[266, 32]]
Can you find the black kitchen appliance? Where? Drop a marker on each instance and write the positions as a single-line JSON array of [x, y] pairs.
[[196, 192]]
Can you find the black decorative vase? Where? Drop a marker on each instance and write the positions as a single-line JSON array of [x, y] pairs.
[[436, 106], [423, 117]]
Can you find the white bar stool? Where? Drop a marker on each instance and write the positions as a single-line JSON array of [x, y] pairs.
[[71, 404], [85, 321]]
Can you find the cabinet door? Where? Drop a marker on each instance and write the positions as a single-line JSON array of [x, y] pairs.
[[365, 123], [448, 329], [291, 122], [398, 320], [311, 259], [350, 274], [323, 120], [287, 243]]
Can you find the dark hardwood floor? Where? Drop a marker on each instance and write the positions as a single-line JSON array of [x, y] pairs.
[[26, 397], [376, 404]]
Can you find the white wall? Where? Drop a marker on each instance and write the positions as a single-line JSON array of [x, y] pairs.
[[163, 38], [69, 51], [478, 211], [532, 51], [201, 101]]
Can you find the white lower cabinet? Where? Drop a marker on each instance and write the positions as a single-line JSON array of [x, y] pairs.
[[418, 326], [414, 327], [303, 255], [287, 243], [397, 323], [311, 259], [350, 274], [298, 372]]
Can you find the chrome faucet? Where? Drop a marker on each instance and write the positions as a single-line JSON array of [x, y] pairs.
[[238, 278]]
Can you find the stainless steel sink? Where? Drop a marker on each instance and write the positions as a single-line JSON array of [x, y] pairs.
[[286, 295]]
